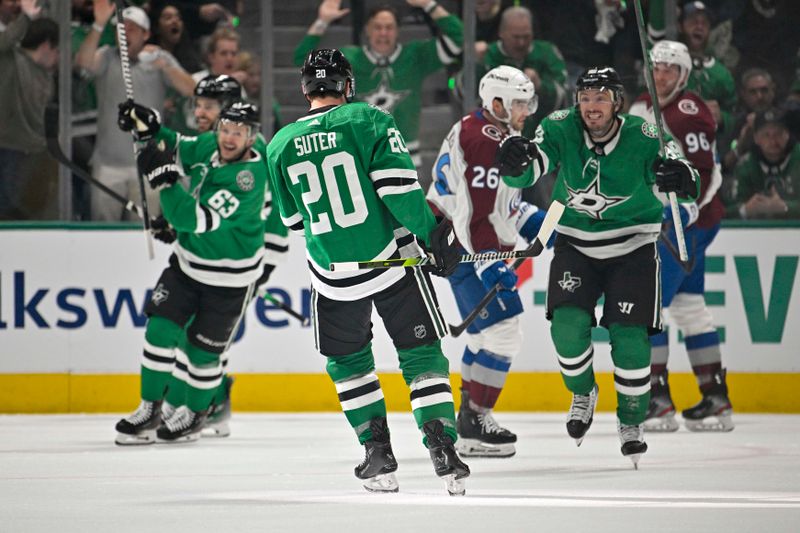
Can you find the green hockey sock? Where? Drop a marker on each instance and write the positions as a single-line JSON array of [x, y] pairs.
[[630, 351], [426, 371], [161, 336], [571, 331], [359, 390]]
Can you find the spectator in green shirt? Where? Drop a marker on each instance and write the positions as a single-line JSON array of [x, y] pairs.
[[768, 178], [540, 60]]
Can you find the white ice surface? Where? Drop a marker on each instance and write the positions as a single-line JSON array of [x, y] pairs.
[[293, 472]]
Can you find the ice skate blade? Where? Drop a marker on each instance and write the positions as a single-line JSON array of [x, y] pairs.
[[477, 448], [723, 423], [664, 424], [578, 441], [194, 437], [382, 483], [454, 486], [634, 457], [145, 437], [216, 431]]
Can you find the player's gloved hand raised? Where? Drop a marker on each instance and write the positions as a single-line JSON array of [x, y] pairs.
[[445, 250], [143, 121], [497, 273], [158, 166], [514, 155], [162, 231], [689, 214], [675, 176]]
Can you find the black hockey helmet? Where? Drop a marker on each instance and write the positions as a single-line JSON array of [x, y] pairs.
[[601, 78], [224, 89], [325, 71], [241, 112]]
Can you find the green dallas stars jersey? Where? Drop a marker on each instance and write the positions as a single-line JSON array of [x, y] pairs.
[[276, 235], [219, 219], [343, 175], [613, 206], [395, 83]]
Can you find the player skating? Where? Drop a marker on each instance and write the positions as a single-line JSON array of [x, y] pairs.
[[609, 171], [487, 215], [200, 297], [343, 176], [690, 122]]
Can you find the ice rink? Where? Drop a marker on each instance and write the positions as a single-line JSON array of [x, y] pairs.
[[293, 472]]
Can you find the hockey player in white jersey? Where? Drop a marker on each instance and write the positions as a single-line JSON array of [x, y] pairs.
[[487, 216]]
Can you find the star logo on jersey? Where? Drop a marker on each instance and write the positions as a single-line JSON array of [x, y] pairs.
[[384, 97], [591, 201], [569, 282]]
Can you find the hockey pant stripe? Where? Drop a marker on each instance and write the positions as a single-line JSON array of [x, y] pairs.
[[430, 303], [575, 366]]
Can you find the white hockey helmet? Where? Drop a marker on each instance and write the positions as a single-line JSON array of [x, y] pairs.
[[509, 85], [673, 53]]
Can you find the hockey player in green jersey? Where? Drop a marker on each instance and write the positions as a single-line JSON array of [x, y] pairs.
[[390, 74], [342, 175], [609, 171], [201, 295], [211, 95]]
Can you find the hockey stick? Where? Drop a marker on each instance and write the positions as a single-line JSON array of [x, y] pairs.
[[125, 63], [662, 151], [53, 146], [304, 320], [537, 246], [351, 266]]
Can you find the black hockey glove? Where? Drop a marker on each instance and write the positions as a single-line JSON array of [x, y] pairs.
[[158, 167], [162, 231], [445, 250], [514, 155], [674, 176], [143, 121]]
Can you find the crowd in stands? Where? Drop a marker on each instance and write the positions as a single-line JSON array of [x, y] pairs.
[[745, 54]]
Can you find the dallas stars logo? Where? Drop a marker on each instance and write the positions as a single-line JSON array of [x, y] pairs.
[[591, 201], [383, 96]]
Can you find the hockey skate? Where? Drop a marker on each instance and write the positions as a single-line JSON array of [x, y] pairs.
[[378, 467], [581, 414], [140, 427], [183, 426], [217, 425], [632, 440], [661, 411], [479, 435], [446, 463], [713, 412]]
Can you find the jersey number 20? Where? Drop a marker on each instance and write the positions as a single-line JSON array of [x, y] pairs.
[[342, 160]]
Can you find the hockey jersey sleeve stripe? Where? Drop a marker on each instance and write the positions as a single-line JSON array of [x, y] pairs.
[[294, 222], [376, 175], [207, 219], [388, 186], [447, 50]]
